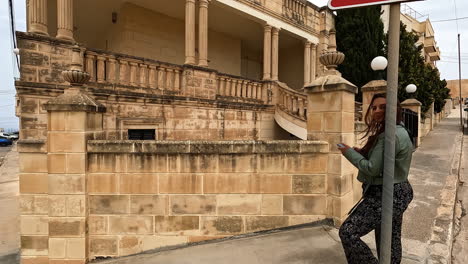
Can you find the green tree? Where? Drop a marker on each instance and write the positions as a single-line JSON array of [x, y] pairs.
[[359, 35], [413, 69]]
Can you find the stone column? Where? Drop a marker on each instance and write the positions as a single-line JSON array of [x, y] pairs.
[[415, 106], [37, 16], [123, 74], [267, 53], [133, 73], [65, 19], [203, 33], [90, 65], [330, 117], [73, 118], [368, 91], [143, 75], [190, 32], [100, 69], [152, 76], [313, 61], [274, 53], [307, 62], [112, 70]]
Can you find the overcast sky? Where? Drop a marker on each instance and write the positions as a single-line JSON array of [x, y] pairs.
[[445, 34]]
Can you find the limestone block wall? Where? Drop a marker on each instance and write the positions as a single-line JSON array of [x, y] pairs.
[[146, 195], [180, 103]]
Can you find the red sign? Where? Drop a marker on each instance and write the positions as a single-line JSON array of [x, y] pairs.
[[342, 4]]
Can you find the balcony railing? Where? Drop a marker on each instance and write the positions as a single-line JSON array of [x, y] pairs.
[[295, 10], [129, 71], [238, 87], [293, 102]]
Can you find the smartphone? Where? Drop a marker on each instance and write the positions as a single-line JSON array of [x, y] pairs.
[[340, 145]]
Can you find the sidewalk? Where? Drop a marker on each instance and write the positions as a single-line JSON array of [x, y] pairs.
[[9, 209], [460, 244], [426, 232]]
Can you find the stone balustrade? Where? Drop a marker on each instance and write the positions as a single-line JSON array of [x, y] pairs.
[[119, 69], [292, 102], [295, 10], [238, 87]]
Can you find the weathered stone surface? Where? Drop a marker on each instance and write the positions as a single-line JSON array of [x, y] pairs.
[[34, 204], [109, 204], [34, 225], [238, 204], [103, 246], [309, 184], [180, 183], [34, 260], [270, 183], [102, 183], [76, 248], [226, 182], [34, 245], [167, 224], [66, 184], [33, 183], [193, 204], [66, 227], [97, 225], [149, 204], [57, 247], [272, 204], [33, 163], [131, 225], [257, 223], [138, 183], [222, 225], [305, 205]]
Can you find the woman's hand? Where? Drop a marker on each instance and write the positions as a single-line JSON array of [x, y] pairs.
[[344, 149]]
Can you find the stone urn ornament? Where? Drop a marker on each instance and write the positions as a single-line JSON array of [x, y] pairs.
[[75, 75], [331, 58]]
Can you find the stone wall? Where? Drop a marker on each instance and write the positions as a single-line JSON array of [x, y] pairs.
[[146, 195]]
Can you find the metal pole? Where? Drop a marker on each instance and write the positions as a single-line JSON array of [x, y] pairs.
[[390, 129], [459, 84]]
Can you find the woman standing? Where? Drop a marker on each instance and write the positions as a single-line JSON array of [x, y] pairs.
[[369, 160]]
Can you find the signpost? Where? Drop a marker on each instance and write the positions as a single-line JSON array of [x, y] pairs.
[[390, 116], [342, 4]]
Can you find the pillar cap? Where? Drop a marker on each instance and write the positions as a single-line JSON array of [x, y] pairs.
[[73, 99], [330, 83], [411, 102], [375, 85]]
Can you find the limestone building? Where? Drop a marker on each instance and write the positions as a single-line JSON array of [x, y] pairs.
[[150, 123], [454, 86], [425, 31]]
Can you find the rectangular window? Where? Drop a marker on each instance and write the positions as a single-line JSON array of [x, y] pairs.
[[141, 134]]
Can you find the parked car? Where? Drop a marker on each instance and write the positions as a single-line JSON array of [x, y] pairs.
[[5, 142], [9, 136]]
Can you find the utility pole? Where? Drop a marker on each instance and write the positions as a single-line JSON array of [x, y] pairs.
[[390, 130], [459, 85]]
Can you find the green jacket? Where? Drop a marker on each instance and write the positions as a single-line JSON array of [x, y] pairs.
[[371, 170]]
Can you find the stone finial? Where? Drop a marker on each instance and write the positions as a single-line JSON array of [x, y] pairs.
[[76, 76], [332, 58]]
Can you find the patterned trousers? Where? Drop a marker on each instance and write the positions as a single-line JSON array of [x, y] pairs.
[[367, 217]]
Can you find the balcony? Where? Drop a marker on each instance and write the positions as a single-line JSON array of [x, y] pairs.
[[430, 44]]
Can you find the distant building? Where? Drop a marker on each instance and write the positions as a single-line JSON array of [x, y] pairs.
[[423, 29], [454, 87]]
